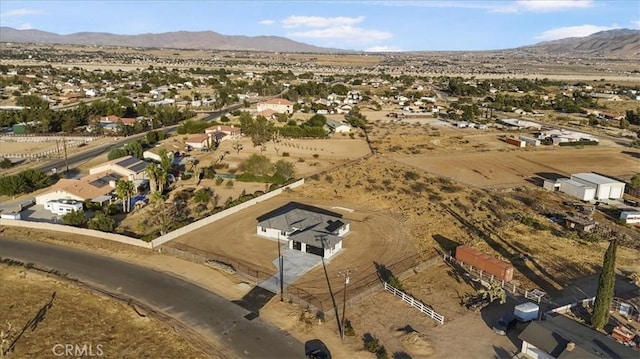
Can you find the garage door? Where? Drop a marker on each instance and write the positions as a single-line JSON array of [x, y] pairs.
[[315, 250], [616, 192], [604, 191]]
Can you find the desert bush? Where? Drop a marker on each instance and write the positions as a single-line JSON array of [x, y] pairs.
[[348, 329], [328, 178], [300, 159], [229, 184], [315, 155], [411, 176], [219, 181], [285, 154], [315, 177], [371, 343]]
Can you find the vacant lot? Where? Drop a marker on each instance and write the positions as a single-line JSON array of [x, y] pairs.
[[515, 168], [77, 316]]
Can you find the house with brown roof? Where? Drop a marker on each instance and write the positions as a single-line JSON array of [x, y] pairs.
[[200, 142], [279, 105], [269, 114], [95, 187]]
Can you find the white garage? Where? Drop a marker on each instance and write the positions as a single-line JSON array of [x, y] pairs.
[[605, 187], [577, 189]]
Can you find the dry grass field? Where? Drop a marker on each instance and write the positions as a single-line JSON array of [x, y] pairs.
[[516, 168], [77, 316]]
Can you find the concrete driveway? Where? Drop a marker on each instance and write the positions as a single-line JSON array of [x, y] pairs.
[[296, 264]]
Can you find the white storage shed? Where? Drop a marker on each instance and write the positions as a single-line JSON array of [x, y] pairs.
[[605, 187], [577, 189]]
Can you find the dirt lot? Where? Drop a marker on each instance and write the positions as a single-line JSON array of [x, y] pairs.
[[402, 329], [77, 316], [374, 236], [516, 168]]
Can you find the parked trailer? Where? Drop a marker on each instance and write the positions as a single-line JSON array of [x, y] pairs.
[[499, 269], [515, 142], [526, 312], [530, 141]]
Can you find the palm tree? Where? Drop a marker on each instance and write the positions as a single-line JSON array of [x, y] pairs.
[[165, 168], [152, 172], [156, 197], [124, 190]]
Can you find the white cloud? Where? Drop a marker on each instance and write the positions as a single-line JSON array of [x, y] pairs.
[[294, 21], [345, 33], [18, 13], [573, 31], [542, 6], [267, 22], [25, 26], [635, 24], [383, 48]]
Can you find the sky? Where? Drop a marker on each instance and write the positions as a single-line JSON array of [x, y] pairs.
[[421, 25]]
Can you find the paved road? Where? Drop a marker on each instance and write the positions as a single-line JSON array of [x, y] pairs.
[[204, 311]]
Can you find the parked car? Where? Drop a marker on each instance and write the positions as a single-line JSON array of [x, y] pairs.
[[505, 323], [316, 349]]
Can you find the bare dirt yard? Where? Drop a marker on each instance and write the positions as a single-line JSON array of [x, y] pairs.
[[375, 236], [517, 168], [79, 317]]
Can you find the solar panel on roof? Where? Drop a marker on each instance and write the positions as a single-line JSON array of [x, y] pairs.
[[127, 162], [139, 167]]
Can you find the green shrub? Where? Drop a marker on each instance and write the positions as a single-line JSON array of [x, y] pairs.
[[229, 184], [579, 143], [219, 181], [371, 343]]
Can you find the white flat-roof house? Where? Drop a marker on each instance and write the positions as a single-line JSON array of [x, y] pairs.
[[279, 105], [606, 187], [305, 228], [63, 206]]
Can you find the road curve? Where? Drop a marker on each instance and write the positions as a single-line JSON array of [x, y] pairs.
[[199, 309]]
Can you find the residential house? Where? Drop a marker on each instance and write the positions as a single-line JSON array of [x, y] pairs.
[[305, 228], [563, 337], [200, 142], [96, 187], [337, 126], [268, 114], [278, 105], [223, 133], [131, 168]]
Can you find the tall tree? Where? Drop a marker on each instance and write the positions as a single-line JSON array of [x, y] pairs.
[[165, 169], [606, 282], [152, 172], [124, 190]]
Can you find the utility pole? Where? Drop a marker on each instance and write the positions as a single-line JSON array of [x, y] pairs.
[[345, 273], [281, 275], [66, 160]]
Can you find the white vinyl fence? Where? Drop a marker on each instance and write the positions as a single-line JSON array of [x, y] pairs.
[[414, 303]]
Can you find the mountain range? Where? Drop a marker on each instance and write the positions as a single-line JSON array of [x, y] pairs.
[[619, 43]]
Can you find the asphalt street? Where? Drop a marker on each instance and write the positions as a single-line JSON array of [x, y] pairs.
[[206, 312]]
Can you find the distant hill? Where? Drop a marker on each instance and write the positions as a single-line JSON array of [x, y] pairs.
[[620, 43], [206, 40]]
